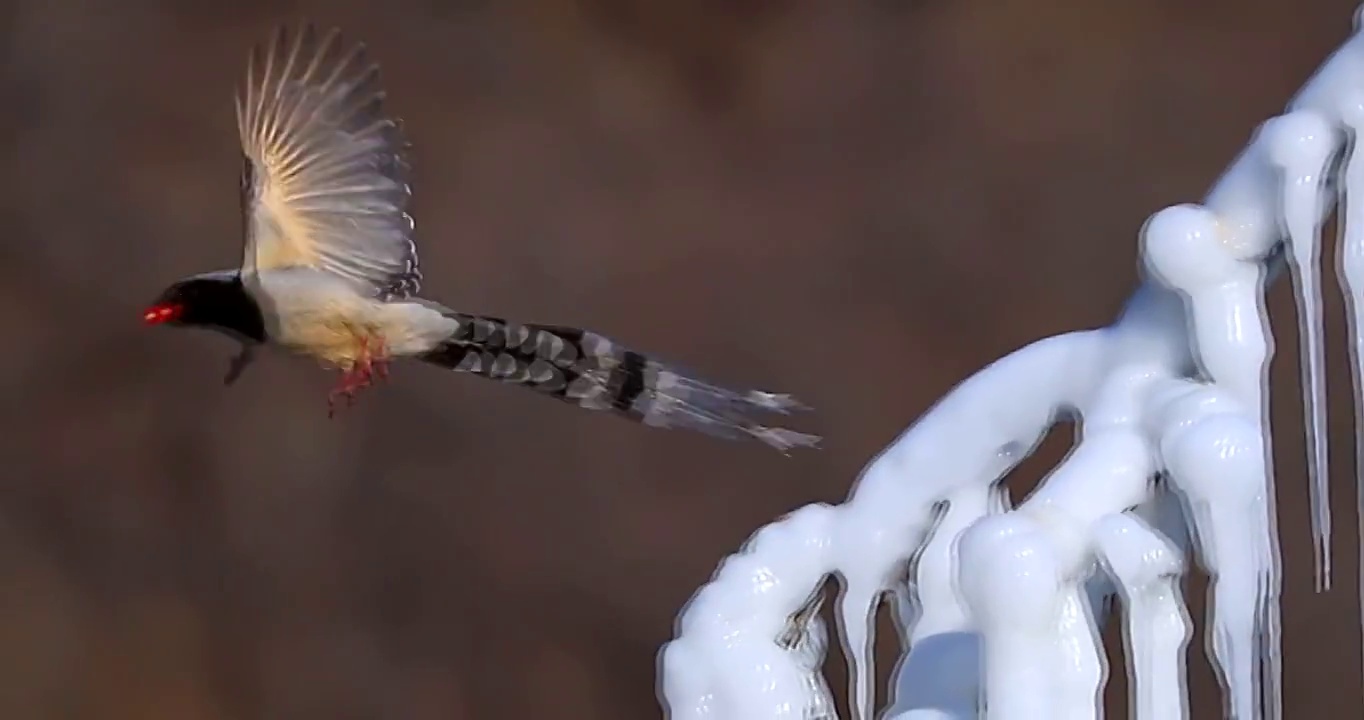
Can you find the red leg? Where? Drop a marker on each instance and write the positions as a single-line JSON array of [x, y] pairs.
[[361, 375], [373, 363], [345, 388], [378, 360]]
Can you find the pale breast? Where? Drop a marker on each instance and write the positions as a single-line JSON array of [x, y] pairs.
[[316, 314]]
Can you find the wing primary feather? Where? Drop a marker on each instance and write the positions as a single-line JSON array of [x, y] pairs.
[[286, 124], [320, 56], [290, 53], [356, 56]]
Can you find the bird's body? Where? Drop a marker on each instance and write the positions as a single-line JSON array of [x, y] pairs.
[[324, 316], [330, 268]]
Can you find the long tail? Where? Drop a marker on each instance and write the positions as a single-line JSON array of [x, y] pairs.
[[590, 371]]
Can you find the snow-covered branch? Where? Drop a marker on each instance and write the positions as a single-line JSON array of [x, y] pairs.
[[999, 605]]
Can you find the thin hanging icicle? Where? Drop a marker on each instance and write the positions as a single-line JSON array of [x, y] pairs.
[[1302, 143], [857, 613], [1350, 271]]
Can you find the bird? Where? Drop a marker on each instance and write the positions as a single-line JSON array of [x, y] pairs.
[[329, 266]]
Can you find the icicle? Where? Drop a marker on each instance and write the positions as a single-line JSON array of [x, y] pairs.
[[1268, 612], [1350, 270], [856, 613], [1214, 453], [1147, 568], [1009, 578], [1300, 143]]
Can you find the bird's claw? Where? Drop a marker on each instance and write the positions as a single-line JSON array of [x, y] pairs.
[[352, 381], [367, 369]]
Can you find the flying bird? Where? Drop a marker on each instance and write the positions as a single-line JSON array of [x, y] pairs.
[[329, 267]]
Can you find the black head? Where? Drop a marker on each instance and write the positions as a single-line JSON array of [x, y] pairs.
[[216, 301]]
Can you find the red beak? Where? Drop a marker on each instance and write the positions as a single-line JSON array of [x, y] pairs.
[[157, 314]]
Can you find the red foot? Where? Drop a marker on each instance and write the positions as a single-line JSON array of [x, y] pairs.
[[368, 366], [352, 381]]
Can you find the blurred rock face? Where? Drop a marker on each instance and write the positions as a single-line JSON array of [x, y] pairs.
[[856, 202]]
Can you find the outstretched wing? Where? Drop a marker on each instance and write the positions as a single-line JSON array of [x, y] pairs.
[[324, 178]]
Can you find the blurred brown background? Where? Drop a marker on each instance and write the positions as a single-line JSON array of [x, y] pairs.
[[857, 201]]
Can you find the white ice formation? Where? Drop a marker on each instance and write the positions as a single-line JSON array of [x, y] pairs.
[[999, 605]]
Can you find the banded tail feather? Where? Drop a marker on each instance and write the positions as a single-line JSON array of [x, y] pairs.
[[588, 370]]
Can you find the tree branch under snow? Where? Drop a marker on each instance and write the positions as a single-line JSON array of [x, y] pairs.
[[1001, 610]]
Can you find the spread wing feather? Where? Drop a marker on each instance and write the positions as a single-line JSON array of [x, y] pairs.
[[324, 181]]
